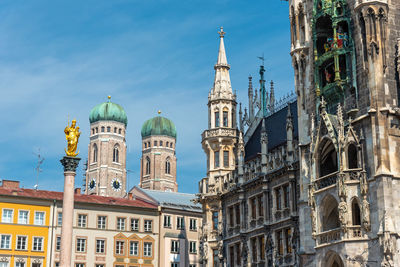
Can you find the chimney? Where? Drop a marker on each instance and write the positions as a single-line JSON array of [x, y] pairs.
[[78, 191], [10, 184]]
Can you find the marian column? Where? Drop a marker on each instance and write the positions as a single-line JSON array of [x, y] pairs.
[[69, 162]]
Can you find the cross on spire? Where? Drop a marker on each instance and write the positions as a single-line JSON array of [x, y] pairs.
[[221, 32]]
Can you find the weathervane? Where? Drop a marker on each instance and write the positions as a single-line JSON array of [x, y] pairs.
[[221, 32]]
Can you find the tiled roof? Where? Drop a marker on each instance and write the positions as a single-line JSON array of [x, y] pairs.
[[79, 198], [174, 200], [275, 125]]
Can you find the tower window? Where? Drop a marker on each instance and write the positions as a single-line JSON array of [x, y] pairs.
[[115, 154], [102, 129], [352, 157], [216, 159], [225, 118], [93, 131], [215, 220], [161, 143], [155, 143], [94, 153], [167, 144], [226, 158], [97, 129], [216, 114], [115, 129], [147, 165], [148, 144], [119, 130], [328, 159], [356, 212], [167, 166], [108, 129], [170, 145], [145, 145]]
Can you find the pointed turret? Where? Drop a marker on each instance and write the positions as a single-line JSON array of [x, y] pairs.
[[222, 83], [250, 94], [289, 135], [263, 92], [272, 98], [264, 147]]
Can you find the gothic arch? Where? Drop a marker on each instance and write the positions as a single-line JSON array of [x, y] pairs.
[[329, 214], [355, 211], [116, 153], [327, 159], [332, 259], [168, 166], [147, 165], [352, 156], [95, 152]]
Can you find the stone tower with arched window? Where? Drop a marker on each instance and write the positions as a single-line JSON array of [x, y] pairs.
[[158, 162], [106, 167], [345, 55], [219, 142]]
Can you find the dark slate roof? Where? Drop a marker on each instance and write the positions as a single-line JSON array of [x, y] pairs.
[[276, 130]]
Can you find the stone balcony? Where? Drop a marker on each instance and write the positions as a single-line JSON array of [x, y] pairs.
[[219, 132], [326, 181], [330, 236]]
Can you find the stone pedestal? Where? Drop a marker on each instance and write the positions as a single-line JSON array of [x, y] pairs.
[[70, 164]]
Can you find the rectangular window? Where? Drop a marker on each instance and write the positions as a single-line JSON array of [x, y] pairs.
[[134, 248], [7, 216], [135, 225], [23, 217], [180, 223], [101, 222], [288, 233], [175, 246], [279, 241], [226, 158], [39, 218], [237, 208], [161, 143], [192, 247], [5, 242], [58, 243], [253, 208], [119, 247], [37, 244], [254, 249], [108, 129], [238, 255], [230, 214], [121, 224], [215, 258], [80, 244], [225, 118], [261, 246], [193, 224], [174, 264], [155, 143], [215, 220], [100, 246], [79, 265], [147, 249], [59, 218], [167, 221], [286, 196], [21, 242], [216, 159], [20, 264], [278, 200], [148, 225], [216, 116], [82, 218], [260, 202], [232, 255]]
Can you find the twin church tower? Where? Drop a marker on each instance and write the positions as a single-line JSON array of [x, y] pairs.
[[106, 172]]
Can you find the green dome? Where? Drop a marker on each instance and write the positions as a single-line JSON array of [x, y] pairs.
[[158, 126], [108, 111]]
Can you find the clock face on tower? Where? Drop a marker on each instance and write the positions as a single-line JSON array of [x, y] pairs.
[[92, 184], [116, 184]]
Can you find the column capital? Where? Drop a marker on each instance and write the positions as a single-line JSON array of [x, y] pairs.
[[70, 163]]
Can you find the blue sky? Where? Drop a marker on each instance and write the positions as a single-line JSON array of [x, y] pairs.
[[60, 58]]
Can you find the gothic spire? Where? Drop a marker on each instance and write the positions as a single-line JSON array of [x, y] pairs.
[[263, 92], [222, 82], [250, 95], [272, 98]]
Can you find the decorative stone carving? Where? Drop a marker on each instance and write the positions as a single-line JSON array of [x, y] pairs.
[[365, 215], [70, 163], [341, 185], [388, 248], [343, 215]]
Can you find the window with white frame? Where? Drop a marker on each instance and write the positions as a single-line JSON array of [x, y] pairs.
[[82, 219], [23, 216], [80, 244], [174, 264], [175, 246], [21, 242], [134, 224], [147, 249], [39, 218], [193, 224], [133, 248], [58, 243], [20, 264], [5, 242], [167, 221], [7, 216], [180, 223], [59, 219], [79, 265], [121, 224], [119, 247], [37, 244], [192, 247], [101, 222], [148, 225], [100, 245]]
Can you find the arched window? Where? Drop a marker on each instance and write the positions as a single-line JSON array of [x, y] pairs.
[[148, 144], [94, 153], [225, 117], [327, 158], [216, 118], [161, 143], [115, 129], [108, 129], [329, 213], [102, 129], [170, 145], [145, 145], [97, 130], [167, 144], [147, 165], [93, 131], [119, 131], [356, 214], [167, 166], [352, 158], [115, 154]]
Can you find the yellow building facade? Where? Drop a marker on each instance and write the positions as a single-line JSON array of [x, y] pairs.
[[24, 231]]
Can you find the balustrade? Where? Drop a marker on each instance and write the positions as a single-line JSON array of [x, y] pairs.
[[329, 236], [326, 180]]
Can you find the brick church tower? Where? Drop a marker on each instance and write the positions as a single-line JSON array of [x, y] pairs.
[[346, 60]]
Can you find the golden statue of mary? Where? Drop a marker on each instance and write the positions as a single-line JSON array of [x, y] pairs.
[[72, 135]]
